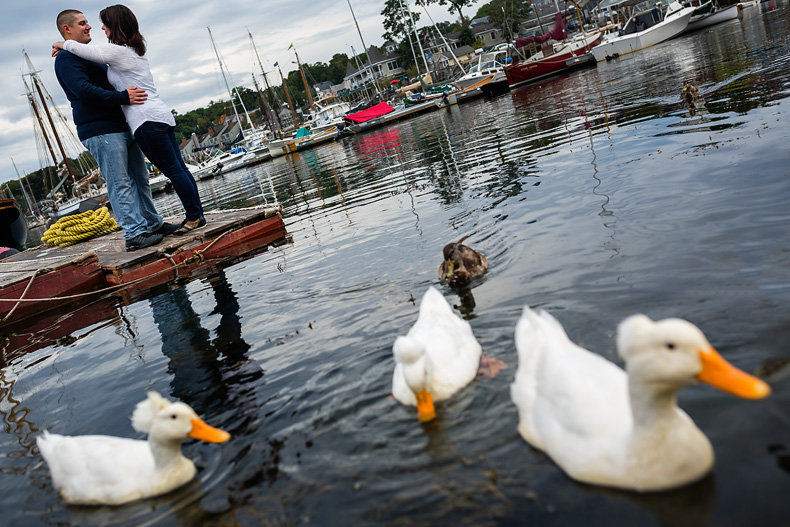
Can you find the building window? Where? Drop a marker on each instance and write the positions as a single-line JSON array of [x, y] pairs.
[[493, 35], [392, 65]]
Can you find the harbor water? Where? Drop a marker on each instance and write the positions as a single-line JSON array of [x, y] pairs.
[[594, 195]]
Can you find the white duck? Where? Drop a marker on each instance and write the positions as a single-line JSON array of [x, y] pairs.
[[437, 357], [105, 470], [606, 426]]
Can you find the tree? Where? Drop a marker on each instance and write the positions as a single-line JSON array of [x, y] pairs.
[[397, 23], [507, 15], [466, 37], [455, 5]]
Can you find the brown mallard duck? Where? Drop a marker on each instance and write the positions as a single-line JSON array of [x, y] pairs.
[[461, 264]]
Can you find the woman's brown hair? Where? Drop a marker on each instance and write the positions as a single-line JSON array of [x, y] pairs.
[[123, 27]]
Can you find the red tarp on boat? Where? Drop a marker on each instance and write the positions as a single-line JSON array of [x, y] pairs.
[[557, 33], [371, 113]]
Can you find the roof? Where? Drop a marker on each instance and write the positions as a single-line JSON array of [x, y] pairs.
[[617, 3]]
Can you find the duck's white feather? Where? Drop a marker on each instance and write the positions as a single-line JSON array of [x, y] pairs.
[[439, 353], [97, 469], [576, 406]]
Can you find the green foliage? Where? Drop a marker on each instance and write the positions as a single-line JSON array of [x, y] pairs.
[[466, 37], [396, 22], [507, 15], [198, 121], [455, 5]]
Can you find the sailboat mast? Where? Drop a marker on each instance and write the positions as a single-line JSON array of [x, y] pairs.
[[52, 124], [222, 69], [365, 50], [32, 100], [263, 103], [450, 49], [408, 34], [306, 87], [22, 186], [266, 81], [417, 36], [288, 95]]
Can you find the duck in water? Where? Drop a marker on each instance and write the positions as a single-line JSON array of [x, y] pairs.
[[461, 264], [690, 93]]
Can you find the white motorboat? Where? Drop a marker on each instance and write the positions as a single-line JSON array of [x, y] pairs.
[[215, 163], [485, 64], [329, 112], [644, 29], [709, 14], [86, 201], [158, 183]]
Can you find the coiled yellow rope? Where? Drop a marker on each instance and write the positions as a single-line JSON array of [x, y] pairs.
[[69, 230]]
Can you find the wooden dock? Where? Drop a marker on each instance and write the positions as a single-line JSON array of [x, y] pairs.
[[46, 278]]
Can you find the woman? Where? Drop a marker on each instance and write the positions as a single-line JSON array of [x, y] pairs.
[[151, 123]]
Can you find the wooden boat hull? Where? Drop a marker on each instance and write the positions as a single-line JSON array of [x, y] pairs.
[[13, 226], [532, 70]]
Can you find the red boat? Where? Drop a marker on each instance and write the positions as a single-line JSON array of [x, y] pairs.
[[554, 57]]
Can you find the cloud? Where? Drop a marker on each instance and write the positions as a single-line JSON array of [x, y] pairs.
[[182, 59]]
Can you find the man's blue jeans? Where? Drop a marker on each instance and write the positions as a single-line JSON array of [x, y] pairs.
[[122, 164], [158, 141]]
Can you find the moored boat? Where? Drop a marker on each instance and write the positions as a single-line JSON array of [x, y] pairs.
[[552, 53], [383, 113], [715, 15], [303, 140], [13, 226], [644, 29], [485, 64], [552, 59], [329, 111]]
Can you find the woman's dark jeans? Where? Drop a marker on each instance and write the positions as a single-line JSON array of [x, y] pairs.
[[158, 143]]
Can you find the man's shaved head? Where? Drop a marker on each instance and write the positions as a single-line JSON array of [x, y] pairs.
[[66, 18]]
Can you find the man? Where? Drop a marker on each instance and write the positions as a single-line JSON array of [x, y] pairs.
[[102, 128]]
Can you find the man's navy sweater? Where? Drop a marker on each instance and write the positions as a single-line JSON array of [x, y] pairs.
[[95, 104]]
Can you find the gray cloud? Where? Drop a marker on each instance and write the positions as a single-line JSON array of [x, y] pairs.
[[179, 50]]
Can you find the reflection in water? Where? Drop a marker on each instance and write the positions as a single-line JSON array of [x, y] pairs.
[[15, 420], [689, 506], [208, 374]]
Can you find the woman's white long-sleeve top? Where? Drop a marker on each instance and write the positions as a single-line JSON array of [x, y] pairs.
[[126, 69]]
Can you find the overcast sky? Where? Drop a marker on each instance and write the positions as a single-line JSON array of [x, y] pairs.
[[185, 68]]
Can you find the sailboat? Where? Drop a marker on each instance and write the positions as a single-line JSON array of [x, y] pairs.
[[325, 113], [253, 140], [54, 138], [552, 53]]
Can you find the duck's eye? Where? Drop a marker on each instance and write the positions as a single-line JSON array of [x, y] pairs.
[[173, 416], [670, 346]]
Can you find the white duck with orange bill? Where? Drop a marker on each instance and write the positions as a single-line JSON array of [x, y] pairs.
[[105, 470], [616, 428], [436, 358]]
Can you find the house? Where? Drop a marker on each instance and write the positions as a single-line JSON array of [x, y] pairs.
[[379, 65]]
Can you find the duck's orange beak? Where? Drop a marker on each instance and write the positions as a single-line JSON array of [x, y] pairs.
[[200, 430], [425, 410], [721, 374]]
